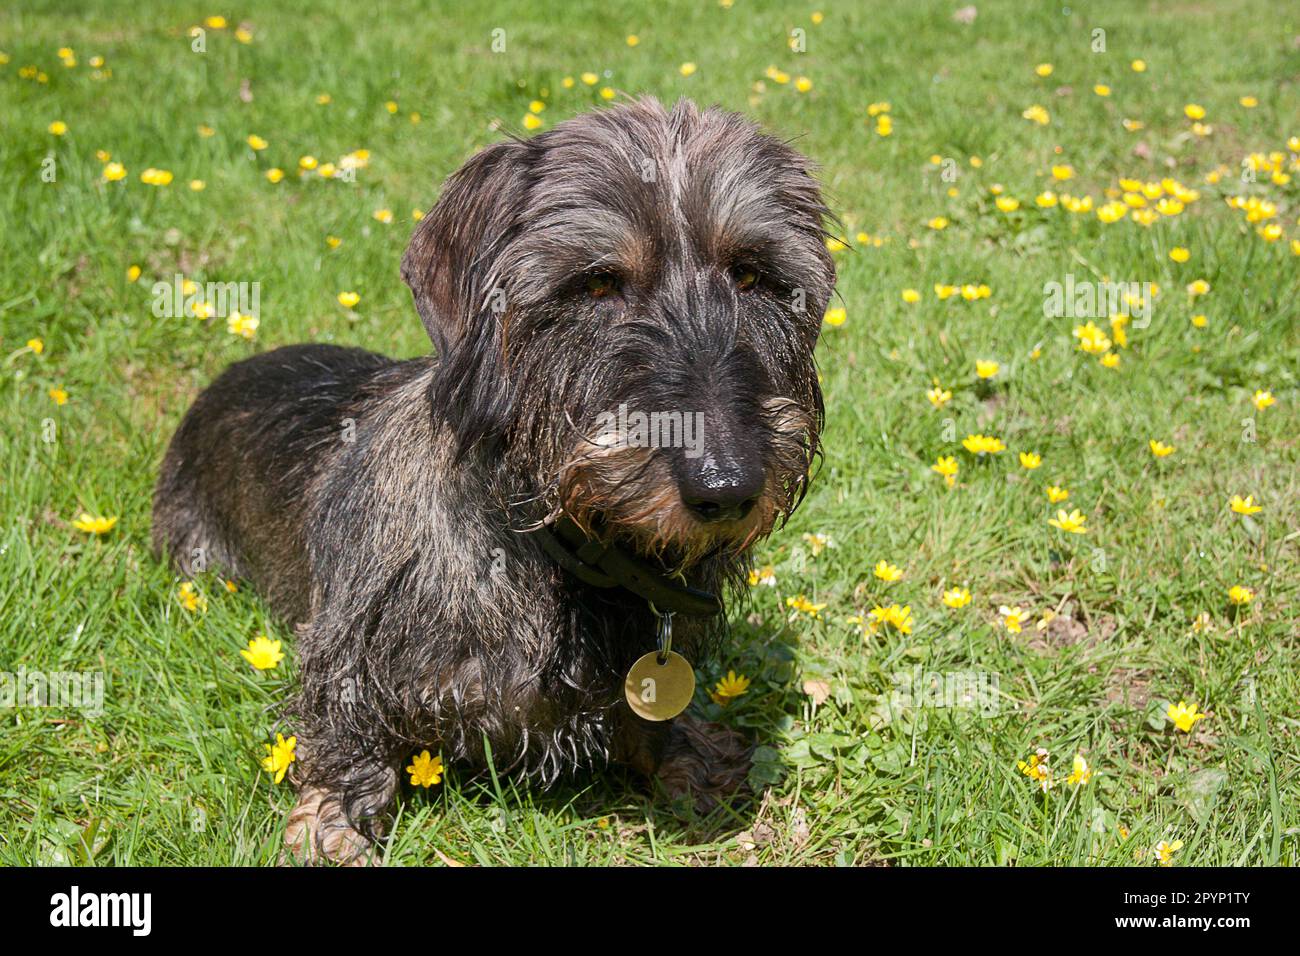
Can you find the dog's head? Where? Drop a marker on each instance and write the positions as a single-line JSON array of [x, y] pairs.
[[628, 305]]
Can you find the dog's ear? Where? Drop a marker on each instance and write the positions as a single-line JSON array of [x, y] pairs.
[[449, 262], [452, 266]]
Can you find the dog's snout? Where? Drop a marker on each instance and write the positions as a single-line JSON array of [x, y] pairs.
[[720, 487]]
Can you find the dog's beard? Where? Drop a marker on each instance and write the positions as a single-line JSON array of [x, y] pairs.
[[627, 492]]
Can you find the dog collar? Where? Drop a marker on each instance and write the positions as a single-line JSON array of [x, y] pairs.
[[609, 566]]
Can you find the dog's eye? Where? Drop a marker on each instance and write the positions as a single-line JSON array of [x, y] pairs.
[[744, 275], [601, 284]]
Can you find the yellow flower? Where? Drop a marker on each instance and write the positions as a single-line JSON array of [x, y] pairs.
[[156, 177], [983, 444], [1199, 321], [36, 345], [57, 128], [391, 106], [323, 99], [114, 171], [333, 241], [1043, 69], [957, 597], [1183, 716], [986, 368], [1007, 203], [1194, 111], [686, 69], [946, 467], [1036, 769], [633, 39], [1046, 199], [348, 299], [242, 325], [206, 131], [1030, 460], [263, 653], [191, 598], [1112, 212], [1244, 506], [729, 688], [1101, 89], [1132, 125], [1080, 772], [804, 606], [1013, 617], [1056, 494], [899, 618], [1199, 287], [425, 770], [1110, 359], [939, 397], [256, 142], [277, 759], [1179, 254], [58, 396], [818, 542], [911, 295], [1160, 449], [308, 162], [938, 222], [1138, 66], [835, 316], [887, 572], [766, 575], [590, 78], [1063, 172], [1036, 114], [215, 23], [274, 174], [1072, 523], [92, 524], [197, 185], [1240, 595], [1091, 339], [1165, 851], [531, 121], [382, 215], [243, 36], [1263, 399], [884, 124]]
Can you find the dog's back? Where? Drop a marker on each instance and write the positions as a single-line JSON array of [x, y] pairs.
[[233, 484]]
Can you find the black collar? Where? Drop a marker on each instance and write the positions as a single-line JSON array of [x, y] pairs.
[[609, 566]]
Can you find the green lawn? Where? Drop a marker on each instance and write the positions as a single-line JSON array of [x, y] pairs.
[[855, 772]]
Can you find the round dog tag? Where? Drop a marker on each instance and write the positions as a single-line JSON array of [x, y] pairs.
[[658, 691]]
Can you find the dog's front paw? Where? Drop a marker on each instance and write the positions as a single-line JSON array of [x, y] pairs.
[[318, 832], [706, 763]]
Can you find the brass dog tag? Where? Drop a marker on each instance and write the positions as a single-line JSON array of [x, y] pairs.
[[658, 691]]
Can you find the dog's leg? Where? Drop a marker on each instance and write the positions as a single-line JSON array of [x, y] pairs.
[[704, 762], [320, 831]]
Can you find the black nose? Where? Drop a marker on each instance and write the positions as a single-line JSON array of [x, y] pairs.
[[720, 487]]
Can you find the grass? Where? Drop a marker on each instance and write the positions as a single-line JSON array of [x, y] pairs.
[[168, 774]]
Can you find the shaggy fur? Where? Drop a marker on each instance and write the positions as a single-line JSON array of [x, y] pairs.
[[662, 260]]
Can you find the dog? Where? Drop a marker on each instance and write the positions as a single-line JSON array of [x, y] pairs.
[[472, 549]]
